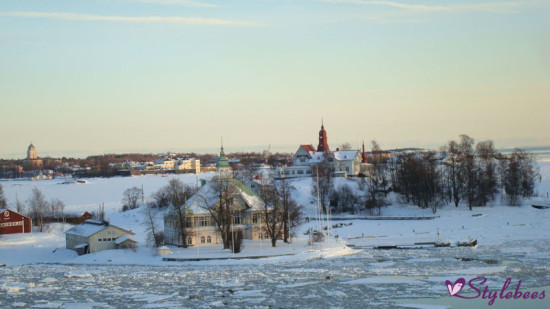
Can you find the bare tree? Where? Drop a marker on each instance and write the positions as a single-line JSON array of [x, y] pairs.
[[3, 202], [154, 233], [218, 199], [291, 210], [346, 146], [469, 170], [131, 198], [272, 212], [19, 206], [345, 199], [487, 178], [376, 181], [38, 205], [322, 186], [519, 176], [455, 172], [178, 193], [420, 179], [57, 207]]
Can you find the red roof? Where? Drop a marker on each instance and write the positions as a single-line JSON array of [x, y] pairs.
[[308, 148]]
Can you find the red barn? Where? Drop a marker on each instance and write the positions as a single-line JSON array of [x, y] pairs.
[[85, 216], [12, 222]]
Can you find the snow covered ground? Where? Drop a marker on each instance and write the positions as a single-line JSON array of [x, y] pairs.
[[513, 242]]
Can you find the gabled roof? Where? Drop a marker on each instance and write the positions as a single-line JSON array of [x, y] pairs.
[[208, 196], [317, 156], [345, 154], [124, 238], [15, 212], [91, 227], [308, 148]]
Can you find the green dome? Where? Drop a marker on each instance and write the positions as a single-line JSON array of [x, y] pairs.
[[222, 161]]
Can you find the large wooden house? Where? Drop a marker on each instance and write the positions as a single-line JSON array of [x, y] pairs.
[[247, 213]]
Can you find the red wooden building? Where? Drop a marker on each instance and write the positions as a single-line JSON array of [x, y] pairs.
[[12, 222], [85, 216]]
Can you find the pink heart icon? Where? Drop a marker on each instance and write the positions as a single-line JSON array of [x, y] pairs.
[[456, 287]]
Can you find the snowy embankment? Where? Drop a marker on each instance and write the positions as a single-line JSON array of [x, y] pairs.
[[491, 225]]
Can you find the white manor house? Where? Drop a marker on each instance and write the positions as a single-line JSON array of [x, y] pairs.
[[342, 163]]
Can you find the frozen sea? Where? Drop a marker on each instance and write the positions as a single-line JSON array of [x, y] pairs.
[[371, 278], [514, 242]]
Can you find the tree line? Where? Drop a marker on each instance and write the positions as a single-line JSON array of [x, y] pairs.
[[38, 208], [461, 172]]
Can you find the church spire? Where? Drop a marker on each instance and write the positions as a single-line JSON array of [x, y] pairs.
[[222, 164], [323, 144], [363, 154]]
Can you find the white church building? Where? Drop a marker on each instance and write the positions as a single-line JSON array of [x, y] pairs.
[[307, 161]]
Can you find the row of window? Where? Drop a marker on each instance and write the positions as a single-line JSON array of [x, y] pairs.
[[209, 221], [207, 240], [11, 224], [107, 239]]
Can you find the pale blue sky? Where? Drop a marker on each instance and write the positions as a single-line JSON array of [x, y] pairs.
[[86, 77]]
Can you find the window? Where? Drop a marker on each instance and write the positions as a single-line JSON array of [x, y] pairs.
[[202, 239], [196, 221], [189, 241], [237, 218], [209, 239], [188, 222], [99, 239], [254, 218]]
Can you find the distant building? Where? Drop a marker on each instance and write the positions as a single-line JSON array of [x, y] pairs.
[[190, 165], [12, 222], [94, 235], [32, 162], [85, 216], [307, 160]]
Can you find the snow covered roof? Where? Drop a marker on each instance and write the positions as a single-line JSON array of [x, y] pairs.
[[207, 195], [308, 148], [317, 156], [91, 227], [85, 229], [124, 238], [345, 154]]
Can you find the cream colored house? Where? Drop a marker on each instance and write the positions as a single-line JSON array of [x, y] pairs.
[[200, 226], [94, 235]]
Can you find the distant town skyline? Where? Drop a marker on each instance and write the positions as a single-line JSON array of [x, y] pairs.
[[119, 76]]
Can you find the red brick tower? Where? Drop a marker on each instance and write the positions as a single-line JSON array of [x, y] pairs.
[[323, 144]]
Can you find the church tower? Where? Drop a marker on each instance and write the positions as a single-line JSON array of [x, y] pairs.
[[222, 166], [31, 152], [323, 144], [363, 154]]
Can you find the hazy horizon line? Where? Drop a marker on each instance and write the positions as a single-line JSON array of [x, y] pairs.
[[82, 154]]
